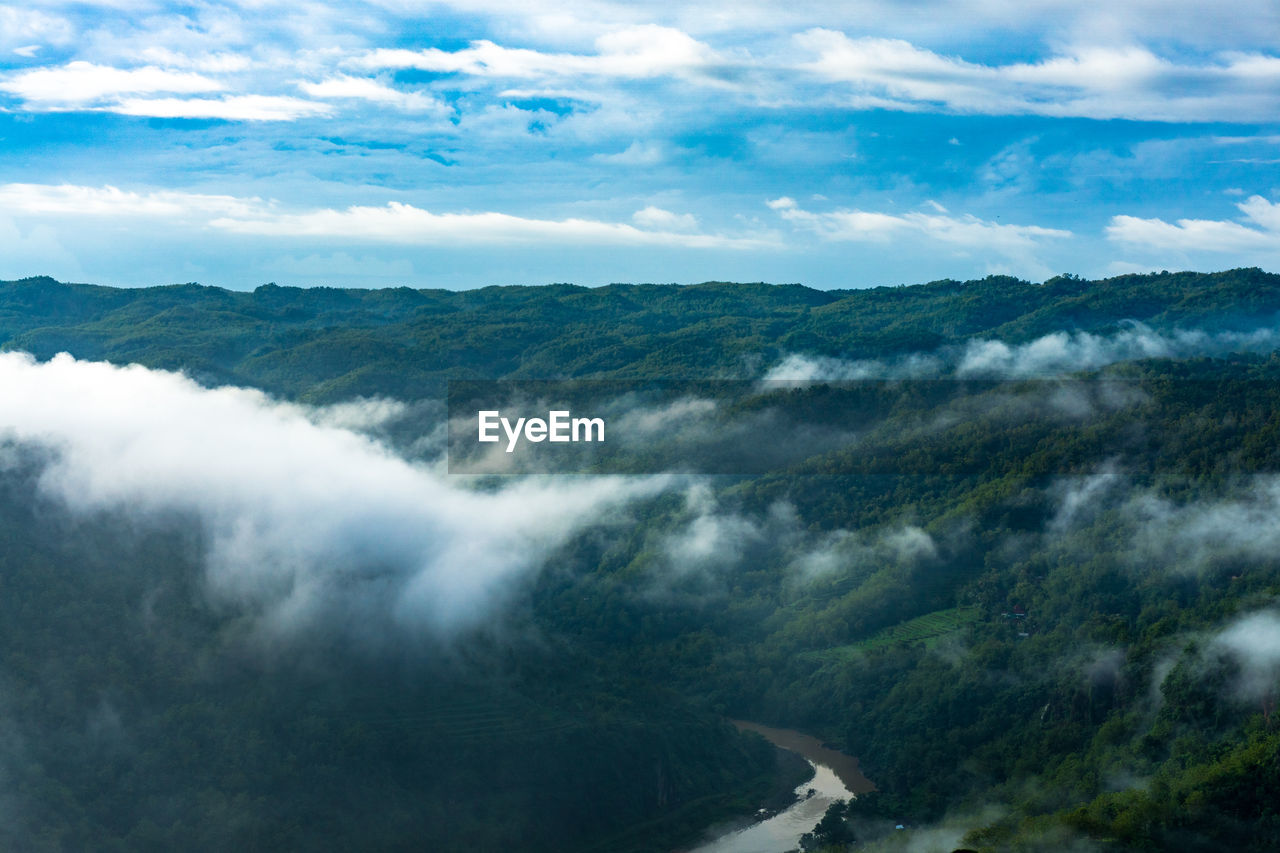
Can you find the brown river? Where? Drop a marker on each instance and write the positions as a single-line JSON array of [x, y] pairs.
[[836, 777]]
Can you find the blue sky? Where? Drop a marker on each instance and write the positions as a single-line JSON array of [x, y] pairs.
[[463, 144]]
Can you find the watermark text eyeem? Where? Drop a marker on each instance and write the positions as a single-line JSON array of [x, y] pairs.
[[558, 426]]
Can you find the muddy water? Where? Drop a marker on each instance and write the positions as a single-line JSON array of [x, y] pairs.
[[836, 777]]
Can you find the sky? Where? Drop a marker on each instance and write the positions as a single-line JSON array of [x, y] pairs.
[[465, 144]]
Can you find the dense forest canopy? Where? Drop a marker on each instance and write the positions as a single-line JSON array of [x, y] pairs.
[[323, 344], [1034, 632]]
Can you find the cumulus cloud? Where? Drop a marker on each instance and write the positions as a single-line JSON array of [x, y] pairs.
[[306, 522], [1259, 230]]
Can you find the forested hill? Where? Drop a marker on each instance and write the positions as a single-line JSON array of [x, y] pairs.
[[1044, 615], [324, 344]]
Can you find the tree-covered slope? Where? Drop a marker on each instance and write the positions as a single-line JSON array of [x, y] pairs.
[[1042, 613], [325, 344]]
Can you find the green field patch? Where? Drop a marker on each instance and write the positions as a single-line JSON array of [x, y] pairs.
[[926, 629]]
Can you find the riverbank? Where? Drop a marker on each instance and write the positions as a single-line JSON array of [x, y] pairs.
[[832, 776], [793, 773], [844, 766]]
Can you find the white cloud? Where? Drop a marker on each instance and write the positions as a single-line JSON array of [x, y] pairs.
[[363, 88], [1187, 537], [395, 223], [712, 540], [636, 154], [636, 52], [232, 108], [964, 233], [19, 27], [1054, 354], [845, 551], [81, 85], [1064, 352], [219, 62], [45, 199], [775, 53], [796, 367], [79, 82], [1260, 231], [657, 218], [406, 224], [308, 525], [1254, 642], [1181, 21], [1091, 81]]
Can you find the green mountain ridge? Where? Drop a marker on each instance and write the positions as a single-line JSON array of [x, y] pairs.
[[322, 344]]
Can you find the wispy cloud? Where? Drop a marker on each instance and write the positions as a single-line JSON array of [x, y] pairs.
[[1099, 82], [635, 52], [636, 154], [234, 108], [84, 86], [366, 89], [1254, 642], [25, 30], [658, 218], [1054, 354], [393, 223], [403, 223], [965, 233], [111, 201]]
